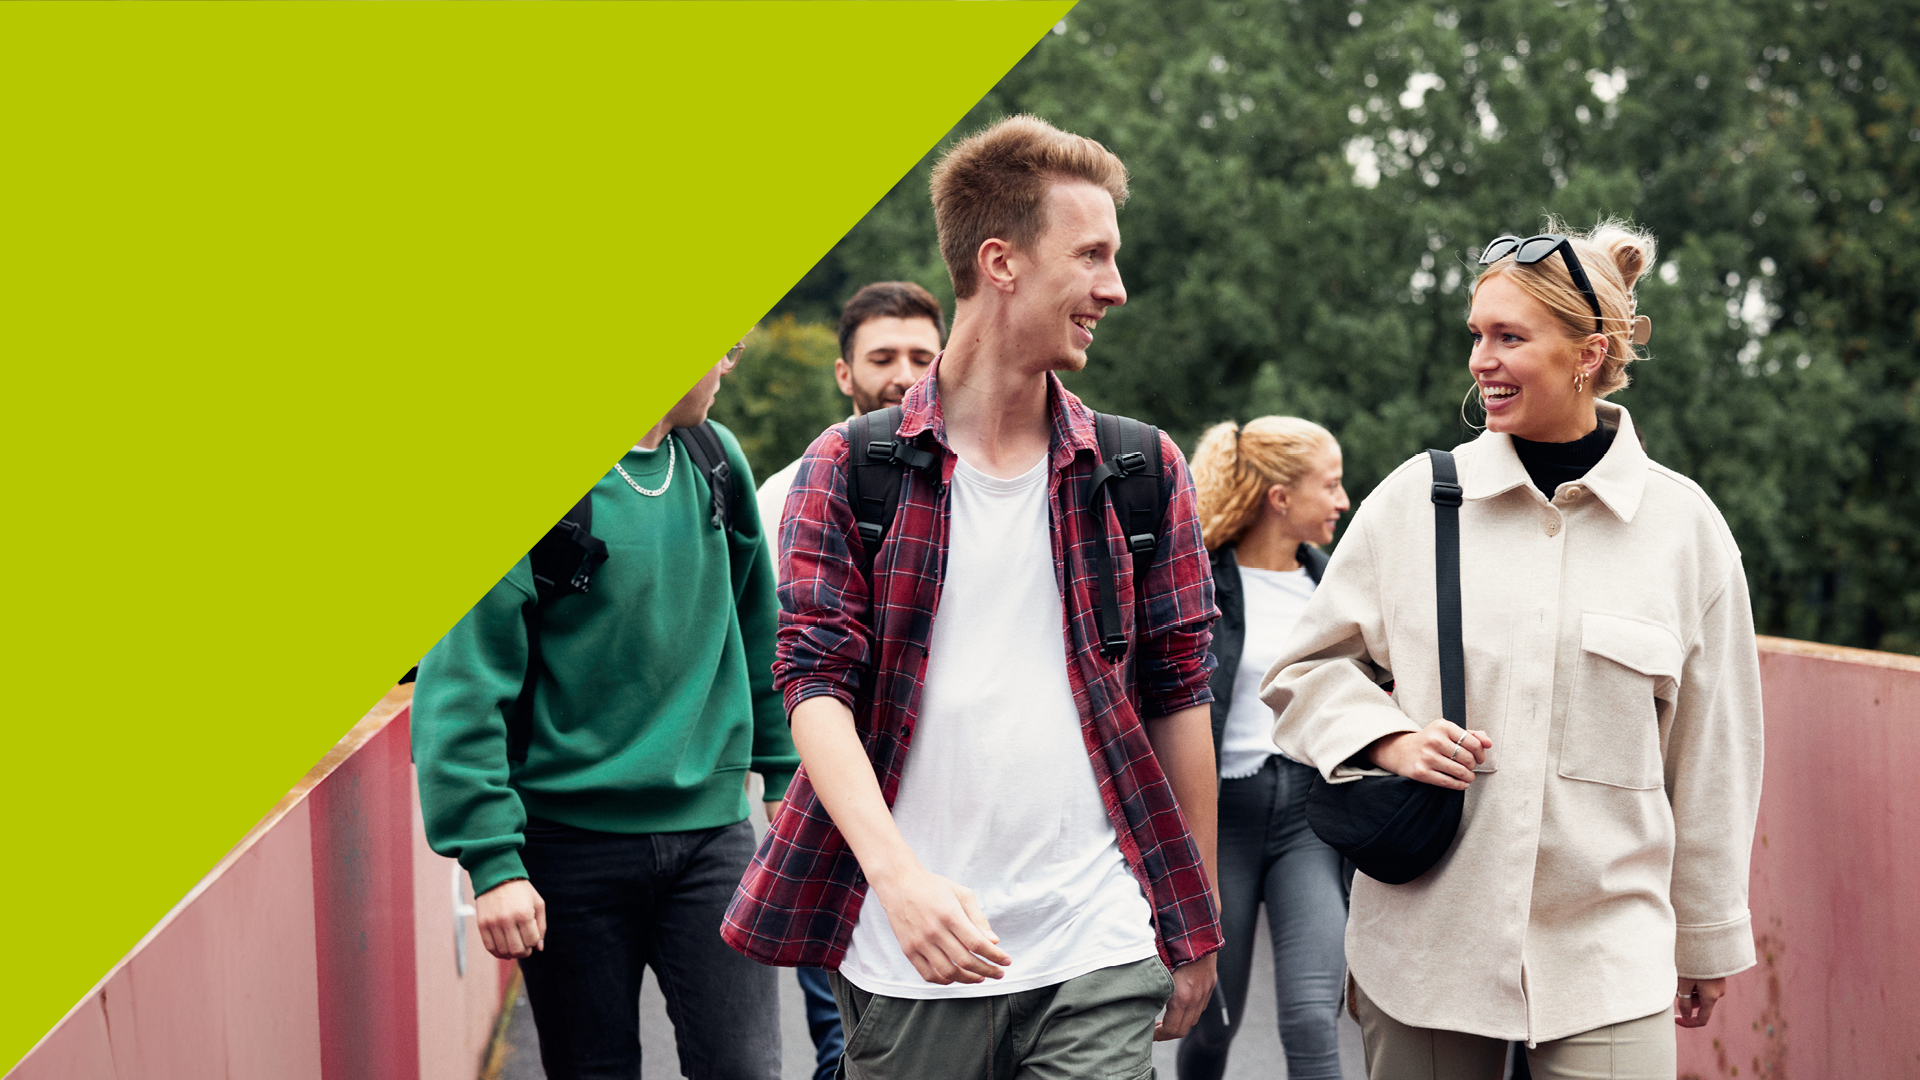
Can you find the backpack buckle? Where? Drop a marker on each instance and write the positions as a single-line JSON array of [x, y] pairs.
[[880, 450], [871, 532], [1142, 543], [1113, 646], [1446, 494], [1130, 463]]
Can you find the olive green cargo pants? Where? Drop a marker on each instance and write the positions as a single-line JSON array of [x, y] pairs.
[[1098, 1026]]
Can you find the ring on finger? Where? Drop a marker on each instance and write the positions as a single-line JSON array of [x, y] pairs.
[[1454, 754]]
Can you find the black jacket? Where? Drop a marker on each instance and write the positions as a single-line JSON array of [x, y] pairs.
[[1230, 633]]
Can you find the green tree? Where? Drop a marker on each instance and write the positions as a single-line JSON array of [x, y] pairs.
[[782, 394], [1312, 181]]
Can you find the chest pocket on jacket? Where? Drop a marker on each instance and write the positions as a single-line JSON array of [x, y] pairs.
[[1628, 678]]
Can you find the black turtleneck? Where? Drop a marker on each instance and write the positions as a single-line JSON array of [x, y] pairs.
[[1551, 464]]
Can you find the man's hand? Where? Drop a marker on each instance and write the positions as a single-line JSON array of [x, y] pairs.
[[773, 809], [512, 918], [1440, 754], [1696, 997], [941, 928], [1192, 993], [938, 924]]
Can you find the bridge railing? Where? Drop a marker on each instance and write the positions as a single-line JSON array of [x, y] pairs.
[[329, 944]]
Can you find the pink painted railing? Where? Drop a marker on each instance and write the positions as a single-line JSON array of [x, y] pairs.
[[322, 947], [1836, 878]]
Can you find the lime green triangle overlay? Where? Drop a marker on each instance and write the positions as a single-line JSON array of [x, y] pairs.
[[316, 316]]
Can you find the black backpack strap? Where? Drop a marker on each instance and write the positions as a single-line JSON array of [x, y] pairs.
[[877, 457], [563, 563], [1446, 576], [710, 458], [565, 558], [1132, 474], [520, 713]]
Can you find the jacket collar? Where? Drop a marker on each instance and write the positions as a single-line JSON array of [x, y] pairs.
[[1619, 480], [1226, 569], [1073, 428]]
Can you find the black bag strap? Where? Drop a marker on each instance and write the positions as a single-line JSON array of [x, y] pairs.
[[1131, 473], [877, 457], [708, 456], [565, 558], [1446, 576], [563, 563]]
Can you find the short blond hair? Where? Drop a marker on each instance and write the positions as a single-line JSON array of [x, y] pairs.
[[1234, 465], [1614, 254], [994, 183]]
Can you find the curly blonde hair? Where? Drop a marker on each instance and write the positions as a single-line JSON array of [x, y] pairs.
[[1234, 465], [1614, 255]]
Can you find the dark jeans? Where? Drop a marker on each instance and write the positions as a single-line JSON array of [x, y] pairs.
[[1268, 854], [823, 1021], [617, 904]]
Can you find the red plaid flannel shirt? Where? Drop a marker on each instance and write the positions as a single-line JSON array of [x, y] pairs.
[[799, 900]]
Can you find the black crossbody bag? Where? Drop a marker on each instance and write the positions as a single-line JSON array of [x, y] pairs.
[[1392, 828]]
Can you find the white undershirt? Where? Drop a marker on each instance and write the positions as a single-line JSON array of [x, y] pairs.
[[998, 793], [1274, 600]]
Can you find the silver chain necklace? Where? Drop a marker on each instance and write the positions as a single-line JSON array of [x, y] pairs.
[[664, 485]]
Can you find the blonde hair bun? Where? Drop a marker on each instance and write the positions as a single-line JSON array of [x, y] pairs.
[[1631, 249]]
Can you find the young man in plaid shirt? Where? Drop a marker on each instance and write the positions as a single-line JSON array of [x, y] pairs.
[[1042, 857]]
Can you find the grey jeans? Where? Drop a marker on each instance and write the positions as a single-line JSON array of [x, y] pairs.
[[1269, 855], [1097, 1025]]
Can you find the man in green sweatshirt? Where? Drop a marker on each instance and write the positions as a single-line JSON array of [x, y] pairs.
[[613, 838]]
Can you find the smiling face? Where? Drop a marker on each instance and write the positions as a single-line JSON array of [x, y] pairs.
[[1525, 364], [1064, 282], [886, 357], [1312, 505]]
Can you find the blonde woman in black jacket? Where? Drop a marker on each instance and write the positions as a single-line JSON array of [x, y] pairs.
[[1269, 493]]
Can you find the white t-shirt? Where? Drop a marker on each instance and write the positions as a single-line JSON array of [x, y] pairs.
[[998, 793], [772, 498], [1274, 600]]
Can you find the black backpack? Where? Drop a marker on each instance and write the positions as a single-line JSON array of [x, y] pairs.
[[1130, 471], [564, 561]]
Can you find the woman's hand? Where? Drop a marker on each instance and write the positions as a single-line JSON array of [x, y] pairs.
[[1696, 998], [1441, 754]]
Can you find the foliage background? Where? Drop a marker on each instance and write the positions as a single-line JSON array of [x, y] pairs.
[[1312, 180]]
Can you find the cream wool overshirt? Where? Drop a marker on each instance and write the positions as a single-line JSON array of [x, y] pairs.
[[1610, 656]]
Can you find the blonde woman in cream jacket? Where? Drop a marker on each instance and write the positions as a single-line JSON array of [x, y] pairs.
[[1612, 769]]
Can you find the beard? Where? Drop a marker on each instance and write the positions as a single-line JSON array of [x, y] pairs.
[[866, 401]]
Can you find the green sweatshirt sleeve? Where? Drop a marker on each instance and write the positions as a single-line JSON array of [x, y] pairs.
[[774, 757], [465, 687]]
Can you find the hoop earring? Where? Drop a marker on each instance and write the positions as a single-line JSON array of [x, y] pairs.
[[1463, 408]]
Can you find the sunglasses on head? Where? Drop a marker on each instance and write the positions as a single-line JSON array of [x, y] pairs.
[[1535, 248]]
